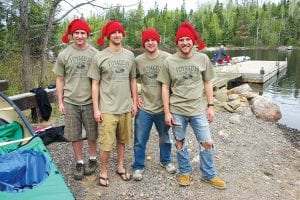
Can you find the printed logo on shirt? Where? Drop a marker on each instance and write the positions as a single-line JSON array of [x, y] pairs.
[[187, 73], [121, 69], [150, 75], [81, 64]]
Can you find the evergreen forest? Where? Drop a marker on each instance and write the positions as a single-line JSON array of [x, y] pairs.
[[31, 30]]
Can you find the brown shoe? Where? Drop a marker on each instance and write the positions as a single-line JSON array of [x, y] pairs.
[[184, 179], [215, 182]]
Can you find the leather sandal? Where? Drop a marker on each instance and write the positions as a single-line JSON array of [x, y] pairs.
[[124, 175], [104, 179]]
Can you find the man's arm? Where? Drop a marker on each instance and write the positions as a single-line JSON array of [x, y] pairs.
[[208, 88], [165, 90], [60, 82], [133, 89], [95, 98]]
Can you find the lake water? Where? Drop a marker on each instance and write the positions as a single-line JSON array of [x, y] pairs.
[[283, 90]]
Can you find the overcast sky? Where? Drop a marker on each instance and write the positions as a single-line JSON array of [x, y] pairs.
[[147, 4]]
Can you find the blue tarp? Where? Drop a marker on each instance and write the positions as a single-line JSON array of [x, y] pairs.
[[22, 169]]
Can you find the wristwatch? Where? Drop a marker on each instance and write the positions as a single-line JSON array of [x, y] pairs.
[[210, 104]]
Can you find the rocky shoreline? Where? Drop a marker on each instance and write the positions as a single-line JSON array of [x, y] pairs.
[[258, 160], [291, 134]]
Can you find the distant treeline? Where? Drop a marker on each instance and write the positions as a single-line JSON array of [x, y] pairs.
[[237, 23], [31, 30], [246, 24]]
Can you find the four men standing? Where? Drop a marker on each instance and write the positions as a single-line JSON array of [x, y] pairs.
[[173, 91]]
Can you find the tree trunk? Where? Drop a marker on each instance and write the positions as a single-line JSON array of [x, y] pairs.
[[44, 45], [24, 29]]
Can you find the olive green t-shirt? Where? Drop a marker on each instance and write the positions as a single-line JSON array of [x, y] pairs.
[[114, 71], [148, 70], [73, 64], [185, 78]]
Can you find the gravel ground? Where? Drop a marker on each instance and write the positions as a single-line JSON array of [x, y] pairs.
[[257, 159]]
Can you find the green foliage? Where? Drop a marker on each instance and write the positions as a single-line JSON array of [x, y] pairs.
[[9, 32], [134, 25], [115, 13], [37, 16], [2, 15], [237, 24], [232, 24], [11, 68], [216, 31]]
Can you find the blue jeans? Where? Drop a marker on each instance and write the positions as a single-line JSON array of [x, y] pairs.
[[201, 130], [142, 127]]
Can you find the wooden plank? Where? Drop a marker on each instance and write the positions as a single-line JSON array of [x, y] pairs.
[[24, 101], [27, 100], [3, 85]]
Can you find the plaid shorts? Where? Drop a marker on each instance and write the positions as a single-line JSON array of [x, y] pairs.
[[76, 117], [115, 128]]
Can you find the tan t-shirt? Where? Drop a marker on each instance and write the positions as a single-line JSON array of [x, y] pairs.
[[148, 70], [73, 64], [114, 70], [185, 78]]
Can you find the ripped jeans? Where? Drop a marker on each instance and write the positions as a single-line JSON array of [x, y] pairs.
[[201, 130]]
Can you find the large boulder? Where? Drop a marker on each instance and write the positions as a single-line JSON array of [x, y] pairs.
[[232, 97], [244, 88], [249, 95], [221, 95], [234, 104], [265, 109]]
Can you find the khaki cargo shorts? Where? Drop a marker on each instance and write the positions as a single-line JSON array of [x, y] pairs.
[[115, 128]]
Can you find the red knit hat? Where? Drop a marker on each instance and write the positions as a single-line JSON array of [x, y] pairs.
[[76, 24], [108, 29], [150, 33], [187, 30]]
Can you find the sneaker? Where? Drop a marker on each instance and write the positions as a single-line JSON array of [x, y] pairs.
[[215, 182], [90, 167], [184, 180], [138, 174], [79, 171], [170, 168]]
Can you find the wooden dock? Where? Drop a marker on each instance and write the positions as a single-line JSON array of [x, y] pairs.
[[225, 79], [252, 71]]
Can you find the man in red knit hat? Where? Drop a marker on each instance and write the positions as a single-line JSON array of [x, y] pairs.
[[150, 106], [74, 91], [187, 94], [114, 75]]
